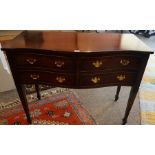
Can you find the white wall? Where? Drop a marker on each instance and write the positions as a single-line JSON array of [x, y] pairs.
[[6, 80]]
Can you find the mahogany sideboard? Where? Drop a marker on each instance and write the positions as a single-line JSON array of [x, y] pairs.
[[76, 60]]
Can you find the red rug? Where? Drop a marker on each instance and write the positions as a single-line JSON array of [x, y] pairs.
[[64, 108]]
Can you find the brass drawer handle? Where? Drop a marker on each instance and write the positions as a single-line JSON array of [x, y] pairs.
[[124, 62], [95, 79], [31, 61], [59, 63], [34, 76], [60, 79], [120, 77], [97, 64]]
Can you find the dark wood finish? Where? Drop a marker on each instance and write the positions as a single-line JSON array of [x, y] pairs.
[[132, 96], [117, 93], [41, 60], [134, 89], [22, 95], [45, 77], [110, 62], [77, 60], [107, 79], [38, 91]]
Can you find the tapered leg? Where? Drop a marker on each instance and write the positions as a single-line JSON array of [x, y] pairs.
[[38, 91], [117, 93], [131, 99], [22, 95]]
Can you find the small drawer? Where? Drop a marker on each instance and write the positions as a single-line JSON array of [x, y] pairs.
[[58, 79], [109, 63], [105, 79], [50, 62]]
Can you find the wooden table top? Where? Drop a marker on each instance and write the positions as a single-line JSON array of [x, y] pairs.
[[76, 42]]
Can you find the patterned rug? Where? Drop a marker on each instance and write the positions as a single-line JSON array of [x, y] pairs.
[[147, 93], [58, 106]]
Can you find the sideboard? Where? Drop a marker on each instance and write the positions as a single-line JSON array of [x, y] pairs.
[[77, 60]]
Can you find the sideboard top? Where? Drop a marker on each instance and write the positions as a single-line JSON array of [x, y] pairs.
[[76, 41]]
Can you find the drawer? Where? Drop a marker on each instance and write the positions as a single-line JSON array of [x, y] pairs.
[[105, 79], [50, 62], [110, 63], [58, 79]]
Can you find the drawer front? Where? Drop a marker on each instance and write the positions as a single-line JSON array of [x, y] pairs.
[[57, 79], [115, 78], [51, 62], [110, 63]]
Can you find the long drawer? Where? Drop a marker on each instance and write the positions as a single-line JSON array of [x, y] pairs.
[[57, 79], [46, 61], [110, 63], [114, 78]]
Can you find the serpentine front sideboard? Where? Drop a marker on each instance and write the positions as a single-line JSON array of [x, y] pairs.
[[76, 60]]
